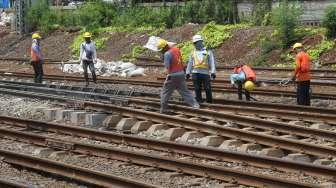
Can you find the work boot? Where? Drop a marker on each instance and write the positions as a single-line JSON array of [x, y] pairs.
[[86, 84]]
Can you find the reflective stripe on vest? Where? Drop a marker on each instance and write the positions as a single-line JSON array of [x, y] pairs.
[[176, 61], [197, 64]]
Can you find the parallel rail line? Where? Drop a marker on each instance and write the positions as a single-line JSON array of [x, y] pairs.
[[69, 171], [215, 88], [161, 162], [12, 184]]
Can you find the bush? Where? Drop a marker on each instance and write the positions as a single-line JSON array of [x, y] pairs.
[[285, 18], [329, 21]]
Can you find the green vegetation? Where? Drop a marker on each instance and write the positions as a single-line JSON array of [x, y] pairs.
[[213, 35], [136, 51], [329, 21], [316, 51], [285, 19]]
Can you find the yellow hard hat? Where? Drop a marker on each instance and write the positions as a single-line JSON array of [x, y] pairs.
[[297, 45], [87, 35], [36, 36], [161, 44], [249, 85]]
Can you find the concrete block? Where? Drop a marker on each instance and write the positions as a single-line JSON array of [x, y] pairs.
[[111, 121], [39, 109], [58, 154], [297, 123], [191, 135], [328, 185], [270, 133], [94, 119], [211, 141], [250, 147], [251, 129], [212, 122], [50, 114], [231, 125], [173, 133], [325, 162], [320, 126], [299, 157], [43, 152], [126, 124], [173, 175], [273, 152], [230, 144], [196, 119], [291, 137], [157, 127], [77, 117], [63, 115], [140, 126]]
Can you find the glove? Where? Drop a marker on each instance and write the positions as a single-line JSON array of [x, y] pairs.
[[213, 76], [187, 76]]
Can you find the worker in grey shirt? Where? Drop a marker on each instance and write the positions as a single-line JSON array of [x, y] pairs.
[[175, 79], [88, 56], [202, 66]]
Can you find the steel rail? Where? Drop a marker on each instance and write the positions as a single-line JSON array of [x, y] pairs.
[[167, 146], [227, 132], [268, 140], [223, 67], [216, 88], [223, 102], [274, 81], [69, 171], [11, 184], [245, 121], [140, 158], [299, 113]]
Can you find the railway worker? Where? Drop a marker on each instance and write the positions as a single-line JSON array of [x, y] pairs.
[[88, 57], [302, 75], [175, 79], [244, 78], [36, 57], [201, 66]]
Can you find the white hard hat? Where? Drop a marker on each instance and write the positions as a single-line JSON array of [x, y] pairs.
[[197, 38]]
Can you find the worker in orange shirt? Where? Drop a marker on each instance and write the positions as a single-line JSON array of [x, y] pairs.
[[302, 75], [243, 77]]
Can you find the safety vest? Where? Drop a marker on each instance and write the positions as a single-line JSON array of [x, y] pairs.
[[34, 56], [302, 67], [200, 63], [249, 73], [176, 64]]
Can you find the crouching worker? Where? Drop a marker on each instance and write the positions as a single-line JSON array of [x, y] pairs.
[[244, 78], [175, 79], [36, 58], [202, 66], [88, 56]]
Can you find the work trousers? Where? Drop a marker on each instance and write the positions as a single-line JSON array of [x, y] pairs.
[[38, 70], [240, 92], [199, 81], [176, 83], [89, 64], [303, 95]]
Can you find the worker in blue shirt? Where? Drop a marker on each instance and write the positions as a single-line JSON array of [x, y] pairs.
[[202, 67]]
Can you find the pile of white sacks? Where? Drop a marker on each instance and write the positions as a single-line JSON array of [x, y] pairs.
[[119, 68], [5, 18]]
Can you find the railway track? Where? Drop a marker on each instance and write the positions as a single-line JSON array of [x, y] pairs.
[[229, 132], [12, 184], [215, 88], [166, 163], [258, 109]]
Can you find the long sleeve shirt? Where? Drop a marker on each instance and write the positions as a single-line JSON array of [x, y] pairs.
[[200, 55], [85, 48]]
